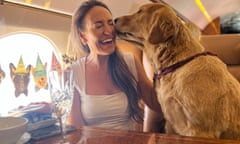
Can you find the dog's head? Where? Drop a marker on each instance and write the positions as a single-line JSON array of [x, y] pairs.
[[158, 31], [20, 79], [153, 24]]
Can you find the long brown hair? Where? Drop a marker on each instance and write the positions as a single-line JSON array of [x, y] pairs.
[[118, 69]]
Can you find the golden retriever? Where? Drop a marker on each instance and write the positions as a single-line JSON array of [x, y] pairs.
[[199, 97]]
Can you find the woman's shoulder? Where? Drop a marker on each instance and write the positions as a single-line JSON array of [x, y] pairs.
[[130, 61], [128, 56]]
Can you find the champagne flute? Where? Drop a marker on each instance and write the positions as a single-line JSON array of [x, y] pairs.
[[61, 92]]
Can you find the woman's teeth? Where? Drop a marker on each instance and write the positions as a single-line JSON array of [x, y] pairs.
[[107, 41]]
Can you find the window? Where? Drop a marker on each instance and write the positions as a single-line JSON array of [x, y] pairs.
[[23, 49]]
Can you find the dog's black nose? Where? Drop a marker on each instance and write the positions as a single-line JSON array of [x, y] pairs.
[[115, 20]]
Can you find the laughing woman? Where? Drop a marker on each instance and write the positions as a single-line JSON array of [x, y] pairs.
[[108, 84]]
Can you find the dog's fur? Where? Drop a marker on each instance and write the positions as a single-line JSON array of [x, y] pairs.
[[201, 98]]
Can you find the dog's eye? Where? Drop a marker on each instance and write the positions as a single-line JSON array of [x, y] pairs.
[[139, 11]]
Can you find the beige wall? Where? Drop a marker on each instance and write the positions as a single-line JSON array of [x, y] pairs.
[[56, 27]]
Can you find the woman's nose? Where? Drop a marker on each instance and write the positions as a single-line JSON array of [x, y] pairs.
[[108, 29]]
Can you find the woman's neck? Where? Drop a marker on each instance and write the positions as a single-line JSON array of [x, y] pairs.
[[97, 61]]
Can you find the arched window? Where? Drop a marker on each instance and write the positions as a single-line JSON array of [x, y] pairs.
[[18, 51]]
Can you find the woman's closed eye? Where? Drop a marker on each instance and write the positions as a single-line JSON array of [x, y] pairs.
[[99, 25], [110, 22]]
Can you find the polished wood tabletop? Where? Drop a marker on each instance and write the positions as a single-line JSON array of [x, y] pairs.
[[87, 135]]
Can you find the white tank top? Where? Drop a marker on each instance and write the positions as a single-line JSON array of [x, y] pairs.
[[106, 111]]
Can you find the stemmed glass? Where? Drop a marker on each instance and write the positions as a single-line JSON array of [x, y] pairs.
[[61, 92]]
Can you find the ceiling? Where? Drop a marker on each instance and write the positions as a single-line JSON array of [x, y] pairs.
[[214, 9], [186, 8]]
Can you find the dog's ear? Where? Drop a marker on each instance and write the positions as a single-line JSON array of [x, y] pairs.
[[162, 30]]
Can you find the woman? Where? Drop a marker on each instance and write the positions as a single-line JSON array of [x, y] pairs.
[[109, 84]]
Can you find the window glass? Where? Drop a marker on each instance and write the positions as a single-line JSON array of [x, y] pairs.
[[17, 52]]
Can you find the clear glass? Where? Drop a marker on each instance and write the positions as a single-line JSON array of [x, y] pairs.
[[61, 92]]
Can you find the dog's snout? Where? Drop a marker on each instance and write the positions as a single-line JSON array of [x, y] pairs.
[[115, 20]]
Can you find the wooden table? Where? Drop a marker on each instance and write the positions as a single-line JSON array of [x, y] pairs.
[[86, 135]]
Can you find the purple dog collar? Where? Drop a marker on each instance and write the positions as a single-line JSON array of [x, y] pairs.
[[173, 67]]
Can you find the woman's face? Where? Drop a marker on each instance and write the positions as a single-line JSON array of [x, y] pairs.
[[99, 32]]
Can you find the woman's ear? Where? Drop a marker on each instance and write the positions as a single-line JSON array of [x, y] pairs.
[[82, 37]]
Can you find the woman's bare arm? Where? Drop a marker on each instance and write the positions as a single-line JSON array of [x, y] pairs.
[[153, 121], [75, 118], [146, 88]]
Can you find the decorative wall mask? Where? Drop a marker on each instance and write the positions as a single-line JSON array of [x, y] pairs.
[[40, 75], [55, 63], [20, 77]]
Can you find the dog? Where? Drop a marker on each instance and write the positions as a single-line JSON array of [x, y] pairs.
[[199, 97]]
